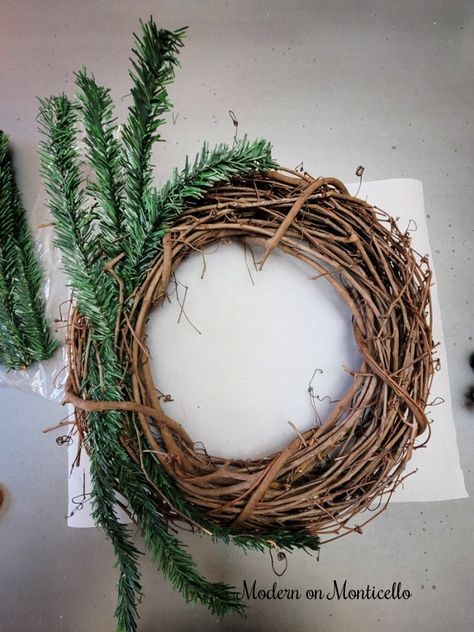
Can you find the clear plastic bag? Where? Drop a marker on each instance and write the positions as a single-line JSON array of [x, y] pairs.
[[46, 378]]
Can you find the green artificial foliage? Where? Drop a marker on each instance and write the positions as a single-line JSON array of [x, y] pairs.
[[118, 217], [24, 331]]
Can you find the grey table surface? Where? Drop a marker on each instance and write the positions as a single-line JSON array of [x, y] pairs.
[[386, 84]]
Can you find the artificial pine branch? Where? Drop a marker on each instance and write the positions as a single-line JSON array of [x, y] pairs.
[[108, 458], [169, 553], [95, 295], [103, 511], [105, 157], [12, 346], [94, 290], [42, 345], [190, 185], [153, 69], [24, 331]]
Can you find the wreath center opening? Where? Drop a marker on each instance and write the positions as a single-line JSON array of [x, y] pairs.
[[249, 358]]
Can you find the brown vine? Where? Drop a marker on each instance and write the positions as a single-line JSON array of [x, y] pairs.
[[331, 472]]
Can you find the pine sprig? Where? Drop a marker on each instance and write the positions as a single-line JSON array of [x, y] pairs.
[[95, 295], [283, 538], [82, 262], [105, 158], [111, 469], [169, 553], [106, 455], [153, 69], [13, 353], [190, 185], [95, 291], [24, 331], [179, 567], [13, 345]]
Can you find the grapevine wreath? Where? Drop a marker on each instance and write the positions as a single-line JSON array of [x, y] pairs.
[[122, 240]]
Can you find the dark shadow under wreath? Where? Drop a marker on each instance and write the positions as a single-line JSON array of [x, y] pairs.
[[121, 239]]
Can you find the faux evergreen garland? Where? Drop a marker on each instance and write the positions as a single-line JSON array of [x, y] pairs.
[[24, 331], [121, 239]]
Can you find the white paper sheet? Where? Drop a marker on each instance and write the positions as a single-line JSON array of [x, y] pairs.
[[239, 359], [439, 475]]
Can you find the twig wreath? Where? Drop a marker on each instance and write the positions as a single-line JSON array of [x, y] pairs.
[[121, 241]]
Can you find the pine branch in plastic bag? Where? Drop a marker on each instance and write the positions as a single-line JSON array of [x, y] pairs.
[[24, 331]]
